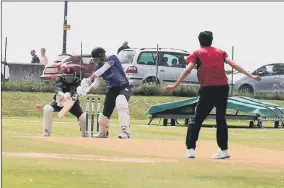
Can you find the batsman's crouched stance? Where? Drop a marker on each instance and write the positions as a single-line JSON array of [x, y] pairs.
[[66, 86], [117, 95]]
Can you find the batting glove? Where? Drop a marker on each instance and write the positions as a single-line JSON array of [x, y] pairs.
[[81, 91]]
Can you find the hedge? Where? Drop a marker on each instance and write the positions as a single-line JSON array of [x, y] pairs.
[[143, 90]]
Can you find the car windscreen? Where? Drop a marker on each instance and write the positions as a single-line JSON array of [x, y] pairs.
[[126, 56], [63, 58]]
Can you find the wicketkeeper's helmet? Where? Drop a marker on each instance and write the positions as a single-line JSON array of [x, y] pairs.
[[68, 70]]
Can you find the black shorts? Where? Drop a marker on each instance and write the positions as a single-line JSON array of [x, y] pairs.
[[76, 109], [110, 98]]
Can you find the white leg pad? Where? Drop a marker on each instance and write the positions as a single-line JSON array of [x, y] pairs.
[[82, 124], [123, 115], [48, 117], [103, 127]]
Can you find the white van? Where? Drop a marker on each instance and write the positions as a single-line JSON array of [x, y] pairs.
[[140, 67], [7, 74]]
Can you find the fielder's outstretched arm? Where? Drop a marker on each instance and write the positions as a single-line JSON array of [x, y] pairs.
[[239, 68], [184, 74]]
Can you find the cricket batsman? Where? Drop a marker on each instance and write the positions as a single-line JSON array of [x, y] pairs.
[[117, 95], [66, 86]]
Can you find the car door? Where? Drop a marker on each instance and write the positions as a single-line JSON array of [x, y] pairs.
[[88, 66], [166, 71], [279, 77], [146, 65], [269, 79], [191, 79]]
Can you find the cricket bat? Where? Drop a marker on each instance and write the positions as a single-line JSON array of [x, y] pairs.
[[68, 105]]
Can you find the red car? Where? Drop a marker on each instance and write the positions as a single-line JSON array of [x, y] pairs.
[[53, 70]]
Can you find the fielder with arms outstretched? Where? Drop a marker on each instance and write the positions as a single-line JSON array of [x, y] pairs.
[[117, 95], [66, 86], [214, 92]]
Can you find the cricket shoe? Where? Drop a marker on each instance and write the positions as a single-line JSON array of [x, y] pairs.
[[222, 154], [46, 133], [190, 153], [124, 133], [123, 136], [85, 134], [101, 135]]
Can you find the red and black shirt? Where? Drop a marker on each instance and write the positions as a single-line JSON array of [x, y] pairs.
[[210, 66]]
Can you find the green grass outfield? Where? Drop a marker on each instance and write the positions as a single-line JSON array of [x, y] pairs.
[[22, 104], [28, 172], [70, 161]]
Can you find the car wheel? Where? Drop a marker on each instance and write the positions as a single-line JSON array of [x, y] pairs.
[[246, 89], [151, 80]]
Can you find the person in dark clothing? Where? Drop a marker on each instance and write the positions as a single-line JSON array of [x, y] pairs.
[[66, 86], [213, 92], [124, 46], [35, 58]]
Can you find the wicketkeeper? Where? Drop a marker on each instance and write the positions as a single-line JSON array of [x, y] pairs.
[[117, 95], [66, 86]]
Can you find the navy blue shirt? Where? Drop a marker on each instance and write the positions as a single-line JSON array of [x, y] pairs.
[[114, 76]]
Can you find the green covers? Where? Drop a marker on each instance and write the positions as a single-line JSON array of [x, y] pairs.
[[239, 103], [171, 105]]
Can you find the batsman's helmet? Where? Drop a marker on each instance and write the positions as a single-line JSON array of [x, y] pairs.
[[98, 52], [68, 70]]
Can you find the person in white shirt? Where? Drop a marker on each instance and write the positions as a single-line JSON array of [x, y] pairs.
[[43, 58]]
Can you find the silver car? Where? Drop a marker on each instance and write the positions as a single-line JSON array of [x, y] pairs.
[[139, 64], [272, 80]]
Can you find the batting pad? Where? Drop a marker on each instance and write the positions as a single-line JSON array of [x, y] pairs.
[[103, 123], [82, 123], [48, 117], [123, 114]]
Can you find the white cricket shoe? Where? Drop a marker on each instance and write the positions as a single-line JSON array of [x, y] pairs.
[[190, 153], [101, 135], [124, 135], [46, 133], [222, 154]]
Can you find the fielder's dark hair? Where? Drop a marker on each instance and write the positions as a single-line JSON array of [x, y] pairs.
[[205, 38]]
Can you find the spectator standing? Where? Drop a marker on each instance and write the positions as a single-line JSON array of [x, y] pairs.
[[124, 46], [35, 58], [43, 58]]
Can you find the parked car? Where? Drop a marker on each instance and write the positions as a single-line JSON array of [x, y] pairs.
[[53, 70], [5, 66], [272, 80], [139, 65]]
